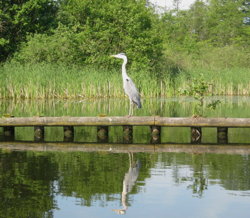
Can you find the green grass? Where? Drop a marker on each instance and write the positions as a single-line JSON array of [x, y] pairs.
[[48, 81], [232, 81]]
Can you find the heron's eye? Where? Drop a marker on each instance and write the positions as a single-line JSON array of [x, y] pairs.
[[127, 79]]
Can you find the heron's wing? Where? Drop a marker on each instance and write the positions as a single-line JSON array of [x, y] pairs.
[[131, 91]]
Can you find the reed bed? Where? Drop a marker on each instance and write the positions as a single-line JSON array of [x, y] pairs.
[[48, 81], [226, 81]]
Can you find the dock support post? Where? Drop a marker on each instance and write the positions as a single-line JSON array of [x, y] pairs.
[[39, 133], [102, 133], [128, 134], [196, 135], [9, 132], [68, 132], [222, 135], [155, 134]]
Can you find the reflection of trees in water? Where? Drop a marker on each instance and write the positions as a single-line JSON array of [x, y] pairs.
[[233, 171], [96, 176], [200, 183], [129, 182], [230, 171], [27, 179]]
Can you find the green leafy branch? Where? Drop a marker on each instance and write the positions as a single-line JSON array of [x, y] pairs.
[[199, 89]]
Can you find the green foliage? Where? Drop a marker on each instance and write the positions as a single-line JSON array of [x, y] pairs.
[[226, 18], [164, 51], [31, 81], [88, 34], [226, 57], [198, 89], [211, 36], [59, 47], [49, 81], [19, 18], [219, 23]]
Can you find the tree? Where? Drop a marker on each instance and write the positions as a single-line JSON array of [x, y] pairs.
[[18, 18], [198, 20], [225, 21], [96, 29], [217, 22]]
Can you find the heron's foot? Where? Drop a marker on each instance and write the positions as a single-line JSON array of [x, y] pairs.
[[119, 211], [102, 115], [195, 116]]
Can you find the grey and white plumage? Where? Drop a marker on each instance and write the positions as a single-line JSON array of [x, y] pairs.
[[129, 181], [128, 85]]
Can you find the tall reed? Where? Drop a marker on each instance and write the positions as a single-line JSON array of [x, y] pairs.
[[49, 81]]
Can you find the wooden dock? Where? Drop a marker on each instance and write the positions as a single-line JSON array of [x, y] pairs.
[[102, 123]]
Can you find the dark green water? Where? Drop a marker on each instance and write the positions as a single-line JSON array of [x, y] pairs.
[[169, 107], [38, 181]]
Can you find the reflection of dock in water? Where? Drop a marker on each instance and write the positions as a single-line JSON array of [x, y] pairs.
[[126, 148], [129, 182]]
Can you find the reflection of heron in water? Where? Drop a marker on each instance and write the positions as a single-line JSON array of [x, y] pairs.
[[128, 182]]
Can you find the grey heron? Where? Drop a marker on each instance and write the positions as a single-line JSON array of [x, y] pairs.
[[128, 85], [129, 181]]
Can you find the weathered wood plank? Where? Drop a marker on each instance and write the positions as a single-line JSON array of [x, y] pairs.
[[202, 122], [125, 148], [76, 121], [125, 120]]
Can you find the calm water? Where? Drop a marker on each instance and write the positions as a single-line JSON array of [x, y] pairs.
[[56, 180]]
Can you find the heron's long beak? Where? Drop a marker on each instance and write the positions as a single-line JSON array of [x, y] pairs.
[[112, 56]]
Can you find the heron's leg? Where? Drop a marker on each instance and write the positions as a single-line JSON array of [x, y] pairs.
[[130, 108], [130, 160]]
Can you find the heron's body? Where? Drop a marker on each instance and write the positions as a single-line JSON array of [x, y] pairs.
[[129, 181], [128, 85]]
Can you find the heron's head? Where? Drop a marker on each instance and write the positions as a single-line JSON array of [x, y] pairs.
[[120, 55]]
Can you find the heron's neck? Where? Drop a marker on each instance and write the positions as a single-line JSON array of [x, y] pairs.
[[124, 73]]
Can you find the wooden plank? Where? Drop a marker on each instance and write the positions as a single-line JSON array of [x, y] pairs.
[[201, 122], [122, 121], [125, 148], [76, 121]]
